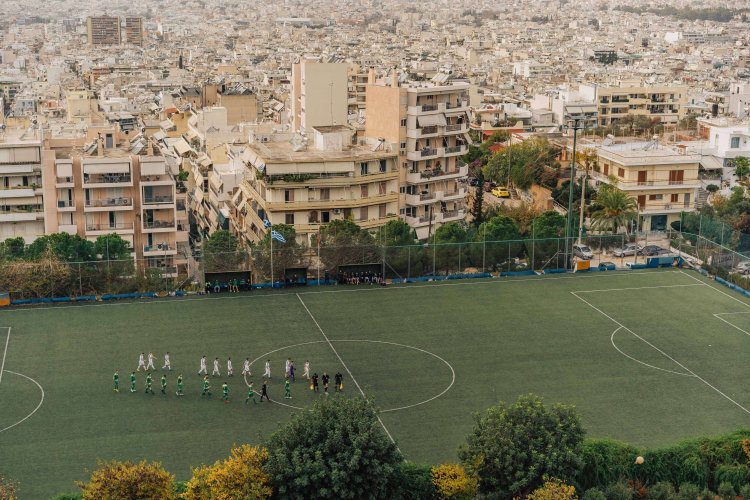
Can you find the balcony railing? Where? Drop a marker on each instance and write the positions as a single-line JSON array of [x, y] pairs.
[[159, 224], [66, 203], [454, 128], [457, 104], [426, 196], [428, 152], [110, 202], [64, 180], [453, 149], [156, 200], [161, 247], [106, 178], [21, 209], [429, 107], [116, 226], [429, 130], [426, 218]]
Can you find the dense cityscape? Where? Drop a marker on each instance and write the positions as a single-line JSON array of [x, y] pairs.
[[188, 153]]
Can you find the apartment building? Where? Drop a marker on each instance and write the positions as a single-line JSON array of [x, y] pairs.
[[21, 195], [429, 123], [134, 31], [320, 93], [668, 104], [307, 186], [107, 185], [663, 180], [103, 30]]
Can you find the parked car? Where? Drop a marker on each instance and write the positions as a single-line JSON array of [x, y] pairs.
[[653, 250], [743, 267], [628, 250], [501, 192], [582, 251]]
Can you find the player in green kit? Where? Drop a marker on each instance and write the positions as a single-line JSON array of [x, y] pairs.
[[163, 384], [287, 389], [132, 381], [206, 387], [179, 385], [250, 393], [116, 378], [148, 383], [225, 390]]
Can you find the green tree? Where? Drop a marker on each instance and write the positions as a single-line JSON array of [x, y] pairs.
[[476, 207], [334, 449], [547, 229], [129, 481], [12, 248], [69, 248], [617, 210], [285, 255], [401, 252], [741, 167], [239, 477], [112, 247], [451, 252], [513, 447], [549, 224], [343, 242], [115, 273], [221, 252], [496, 240], [527, 161], [395, 233]]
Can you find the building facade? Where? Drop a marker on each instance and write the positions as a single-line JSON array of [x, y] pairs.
[[103, 30], [319, 94], [134, 31], [665, 103], [21, 195], [430, 125]]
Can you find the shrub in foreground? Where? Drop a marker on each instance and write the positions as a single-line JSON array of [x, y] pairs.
[[129, 481]]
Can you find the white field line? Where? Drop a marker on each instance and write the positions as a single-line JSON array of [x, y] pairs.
[[41, 401], [5, 353], [612, 340], [715, 289], [718, 316], [662, 353], [637, 288], [343, 364], [256, 295]]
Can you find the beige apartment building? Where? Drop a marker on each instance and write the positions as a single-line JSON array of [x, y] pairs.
[[103, 30], [103, 184], [134, 31], [665, 103], [21, 194], [320, 93], [307, 186], [664, 181], [430, 124]]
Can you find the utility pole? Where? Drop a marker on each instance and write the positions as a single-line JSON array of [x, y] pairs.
[[569, 225]]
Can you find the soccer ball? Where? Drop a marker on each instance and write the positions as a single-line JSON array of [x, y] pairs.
[[639, 460]]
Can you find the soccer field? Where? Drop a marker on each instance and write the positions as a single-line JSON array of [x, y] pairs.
[[648, 357]]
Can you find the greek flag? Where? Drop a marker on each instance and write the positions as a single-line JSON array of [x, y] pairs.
[[277, 236], [266, 223]]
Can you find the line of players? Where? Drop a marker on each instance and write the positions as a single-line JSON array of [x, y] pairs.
[[147, 363]]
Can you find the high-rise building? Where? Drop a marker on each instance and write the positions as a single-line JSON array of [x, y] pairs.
[[319, 94], [134, 31], [429, 122], [21, 196], [103, 30]]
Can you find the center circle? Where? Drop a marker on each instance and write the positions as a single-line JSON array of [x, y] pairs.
[[386, 410], [29, 415]]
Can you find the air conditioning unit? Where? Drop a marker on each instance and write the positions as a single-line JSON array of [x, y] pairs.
[[336, 211]]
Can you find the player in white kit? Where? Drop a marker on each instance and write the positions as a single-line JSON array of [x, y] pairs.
[[167, 363], [267, 373], [230, 370], [141, 362], [150, 364], [246, 367], [203, 370], [306, 372], [216, 371]]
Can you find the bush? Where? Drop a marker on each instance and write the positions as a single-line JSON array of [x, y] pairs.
[[553, 489], [735, 475], [707, 494], [67, 496], [412, 480], [745, 491], [512, 447], [594, 494], [662, 490], [618, 491], [605, 462], [688, 491], [129, 480], [239, 476], [452, 481], [726, 491]]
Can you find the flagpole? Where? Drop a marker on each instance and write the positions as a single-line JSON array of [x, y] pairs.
[[318, 238], [271, 234]]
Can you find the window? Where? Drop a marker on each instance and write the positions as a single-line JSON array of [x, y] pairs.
[[381, 188], [642, 174], [655, 197], [288, 195], [382, 209], [403, 122], [606, 169], [676, 176], [325, 194], [363, 168], [735, 142], [289, 219], [621, 173], [364, 191], [326, 217], [382, 166], [364, 213], [673, 198], [403, 145]]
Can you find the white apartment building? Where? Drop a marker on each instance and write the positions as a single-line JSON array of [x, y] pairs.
[[667, 103], [320, 94], [430, 124], [21, 195]]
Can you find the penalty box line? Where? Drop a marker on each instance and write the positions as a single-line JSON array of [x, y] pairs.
[[5, 353], [725, 396], [344, 365]]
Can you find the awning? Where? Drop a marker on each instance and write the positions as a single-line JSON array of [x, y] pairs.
[[166, 125], [159, 135], [181, 146], [106, 168], [455, 113], [191, 134], [431, 120], [64, 169]]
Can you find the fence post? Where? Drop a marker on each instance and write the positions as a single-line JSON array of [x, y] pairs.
[[408, 262], [532, 244], [433, 260], [459, 258], [80, 280]]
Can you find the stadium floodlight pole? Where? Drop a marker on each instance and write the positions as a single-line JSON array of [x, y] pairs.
[[576, 125], [271, 234]]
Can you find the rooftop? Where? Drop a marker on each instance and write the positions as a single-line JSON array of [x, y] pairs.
[[282, 152]]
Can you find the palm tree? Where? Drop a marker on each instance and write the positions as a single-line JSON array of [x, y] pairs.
[[617, 209]]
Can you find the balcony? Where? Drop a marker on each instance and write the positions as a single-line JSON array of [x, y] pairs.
[[665, 208], [456, 128], [429, 131], [159, 200], [113, 227], [417, 177], [159, 226], [107, 180], [64, 182], [423, 154], [429, 107], [66, 205], [108, 204], [18, 192], [159, 249], [421, 199], [455, 150], [453, 195], [457, 105], [453, 215], [22, 214]]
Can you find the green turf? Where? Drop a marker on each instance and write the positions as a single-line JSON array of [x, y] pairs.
[[502, 337]]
